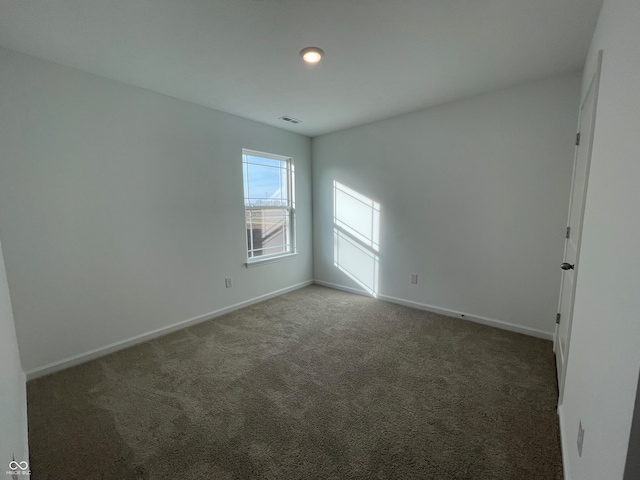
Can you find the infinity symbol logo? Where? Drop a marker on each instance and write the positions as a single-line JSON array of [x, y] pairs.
[[13, 465]]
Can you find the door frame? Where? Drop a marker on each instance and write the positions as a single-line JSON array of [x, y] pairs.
[[594, 87]]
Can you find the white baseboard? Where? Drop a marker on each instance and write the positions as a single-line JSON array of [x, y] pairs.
[[533, 332], [563, 445], [114, 347]]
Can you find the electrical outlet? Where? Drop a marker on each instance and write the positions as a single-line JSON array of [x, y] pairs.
[[414, 278], [228, 282], [580, 438]]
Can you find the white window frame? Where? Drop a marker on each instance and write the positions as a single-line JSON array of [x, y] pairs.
[[290, 207]]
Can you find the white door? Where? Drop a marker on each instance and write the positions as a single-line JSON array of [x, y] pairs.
[[574, 226]]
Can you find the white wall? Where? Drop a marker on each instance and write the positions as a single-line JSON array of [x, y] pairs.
[[604, 355], [13, 392], [121, 210], [473, 198]]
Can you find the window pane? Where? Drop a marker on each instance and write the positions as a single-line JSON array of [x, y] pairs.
[[268, 204], [265, 185], [267, 231], [265, 161]]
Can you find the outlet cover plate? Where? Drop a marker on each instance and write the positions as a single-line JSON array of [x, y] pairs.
[[228, 282]]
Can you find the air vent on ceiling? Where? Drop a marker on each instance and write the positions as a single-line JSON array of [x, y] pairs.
[[290, 119]]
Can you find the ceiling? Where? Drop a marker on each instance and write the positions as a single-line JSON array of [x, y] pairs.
[[383, 57]]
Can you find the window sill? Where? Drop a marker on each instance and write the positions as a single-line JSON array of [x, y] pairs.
[[263, 261]]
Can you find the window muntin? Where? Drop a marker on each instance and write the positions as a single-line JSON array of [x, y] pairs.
[[269, 206]]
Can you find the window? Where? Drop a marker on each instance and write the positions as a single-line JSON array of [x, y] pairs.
[[269, 205]]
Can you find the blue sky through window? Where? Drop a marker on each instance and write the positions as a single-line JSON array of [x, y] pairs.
[[265, 181]]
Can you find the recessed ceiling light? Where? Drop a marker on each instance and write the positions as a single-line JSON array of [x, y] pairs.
[[311, 55]]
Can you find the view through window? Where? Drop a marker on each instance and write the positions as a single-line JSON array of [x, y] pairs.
[[269, 204]]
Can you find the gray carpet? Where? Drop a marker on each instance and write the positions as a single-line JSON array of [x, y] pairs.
[[315, 384]]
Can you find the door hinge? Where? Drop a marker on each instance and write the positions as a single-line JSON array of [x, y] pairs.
[[558, 318], [578, 138], [568, 232]]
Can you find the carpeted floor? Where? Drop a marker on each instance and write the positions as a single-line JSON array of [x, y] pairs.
[[315, 384]]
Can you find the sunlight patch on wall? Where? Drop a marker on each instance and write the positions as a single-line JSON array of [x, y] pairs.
[[356, 235]]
